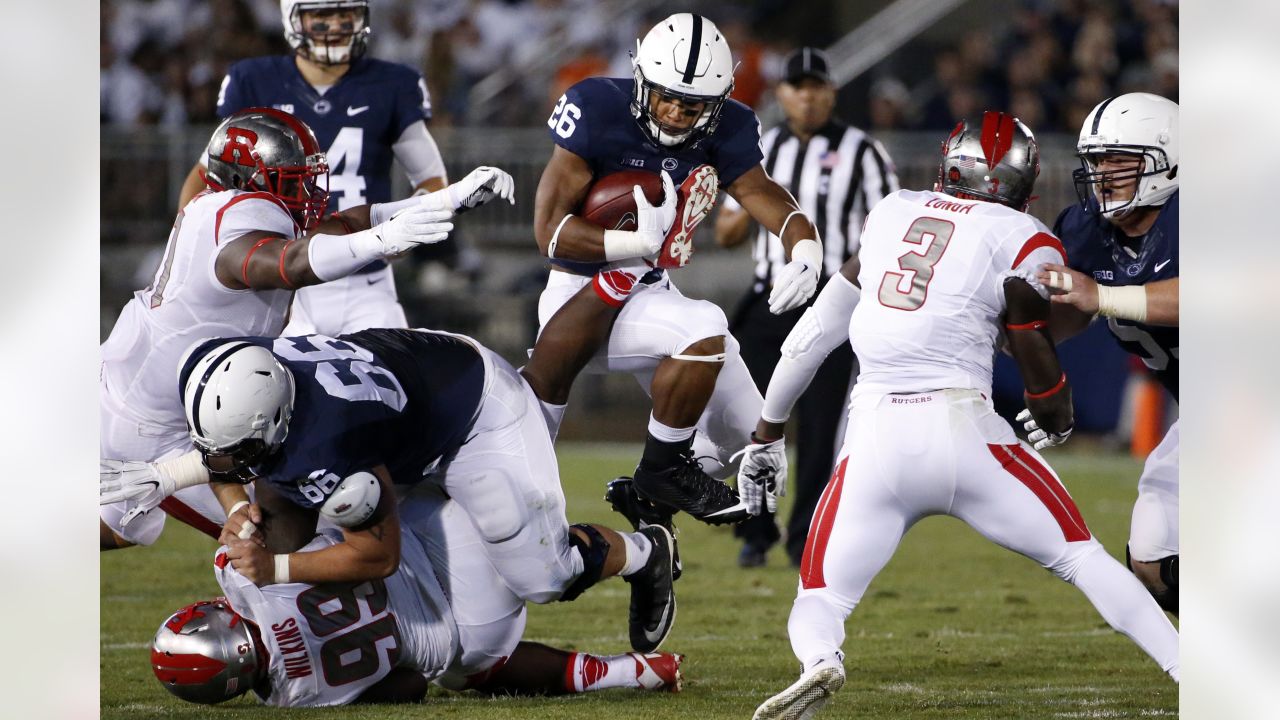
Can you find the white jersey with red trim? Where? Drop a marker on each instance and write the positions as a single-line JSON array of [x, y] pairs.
[[329, 643], [932, 277], [186, 303]]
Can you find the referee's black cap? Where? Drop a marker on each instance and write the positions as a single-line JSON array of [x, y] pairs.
[[806, 62]]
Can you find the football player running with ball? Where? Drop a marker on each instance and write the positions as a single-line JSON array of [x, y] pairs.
[[951, 271], [1122, 250], [674, 117]]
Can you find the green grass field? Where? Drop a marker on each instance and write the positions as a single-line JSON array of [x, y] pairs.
[[953, 628]]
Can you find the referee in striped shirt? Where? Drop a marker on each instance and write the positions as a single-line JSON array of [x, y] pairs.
[[837, 173]]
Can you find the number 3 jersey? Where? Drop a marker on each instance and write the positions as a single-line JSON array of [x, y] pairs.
[[1091, 244], [400, 398], [185, 303], [932, 278], [329, 643]]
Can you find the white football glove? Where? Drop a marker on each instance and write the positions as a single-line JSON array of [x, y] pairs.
[[412, 227], [140, 485], [1039, 438], [798, 279], [477, 188], [653, 223], [762, 477]]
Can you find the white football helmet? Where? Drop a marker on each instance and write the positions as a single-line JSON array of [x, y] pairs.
[[1138, 124], [683, 57], [337, 45], [238, 400], [206, 653]]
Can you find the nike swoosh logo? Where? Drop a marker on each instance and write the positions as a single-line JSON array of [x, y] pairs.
[[373, 280], [1162, 264], [152, 483], [353, 111]]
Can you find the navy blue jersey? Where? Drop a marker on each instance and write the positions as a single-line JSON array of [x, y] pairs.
[[593, 121], [1092, 249], [400, 398], [356, 121]]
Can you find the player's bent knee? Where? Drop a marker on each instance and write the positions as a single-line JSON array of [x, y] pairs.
[[1073, 558], [593, 553]]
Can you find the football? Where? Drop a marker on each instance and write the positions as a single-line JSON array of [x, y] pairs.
[[610, 202]]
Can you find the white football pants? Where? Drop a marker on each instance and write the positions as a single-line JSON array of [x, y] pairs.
[[1153, 532], [657, 322], [947, 452]]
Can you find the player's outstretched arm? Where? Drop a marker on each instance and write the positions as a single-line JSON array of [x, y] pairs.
[[1046, 390], [773, 207], [1155, 303], [264, 260], [762, 477]]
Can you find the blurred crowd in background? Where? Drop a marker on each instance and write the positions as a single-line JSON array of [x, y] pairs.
[[1048, 61]]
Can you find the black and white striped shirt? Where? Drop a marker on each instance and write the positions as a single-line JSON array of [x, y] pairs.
[[837, 177]]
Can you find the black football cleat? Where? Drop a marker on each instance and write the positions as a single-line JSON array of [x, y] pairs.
[[653, 598], [621, 494], [685, 486]]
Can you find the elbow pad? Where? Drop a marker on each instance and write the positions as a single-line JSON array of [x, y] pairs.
[[354, 501]]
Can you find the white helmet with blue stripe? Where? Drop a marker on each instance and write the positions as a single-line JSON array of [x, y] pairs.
[[683, 58]]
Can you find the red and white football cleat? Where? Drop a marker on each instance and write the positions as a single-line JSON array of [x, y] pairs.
[[658, 671], [697, 196]]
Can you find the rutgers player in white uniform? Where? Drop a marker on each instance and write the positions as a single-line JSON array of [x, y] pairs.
[[235, 255], [951, 272], [444, 616]]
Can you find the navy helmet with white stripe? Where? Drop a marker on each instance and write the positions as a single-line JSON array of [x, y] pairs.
[[238, 399], [684, 58]]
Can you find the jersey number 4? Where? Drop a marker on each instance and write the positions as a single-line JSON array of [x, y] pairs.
[[345, 153], [931, 234]]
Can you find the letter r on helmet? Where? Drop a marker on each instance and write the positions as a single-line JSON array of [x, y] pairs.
[[239, 140]]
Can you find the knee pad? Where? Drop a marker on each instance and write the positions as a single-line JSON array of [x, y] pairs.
[[593, 557], [501, 514]]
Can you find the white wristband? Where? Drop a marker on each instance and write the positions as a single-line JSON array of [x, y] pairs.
[[236, 507], [1127, 302], [382, 212], [335, 256], [555, 236], [282, 568], [624, 244], [185, 470], [809, 252]]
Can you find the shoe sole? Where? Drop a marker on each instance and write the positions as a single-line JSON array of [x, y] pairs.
[[671, 620], [804, 699]]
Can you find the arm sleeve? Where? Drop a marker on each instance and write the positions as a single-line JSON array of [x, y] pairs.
[[821, 329], [418, 154]]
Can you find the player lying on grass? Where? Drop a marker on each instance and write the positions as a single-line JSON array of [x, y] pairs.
[[950, 272], [445, 617]]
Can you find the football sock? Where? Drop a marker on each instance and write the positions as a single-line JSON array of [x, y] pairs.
[[1125, 604], [586, 673], [816, 628], [638, 547], [664, 445]]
